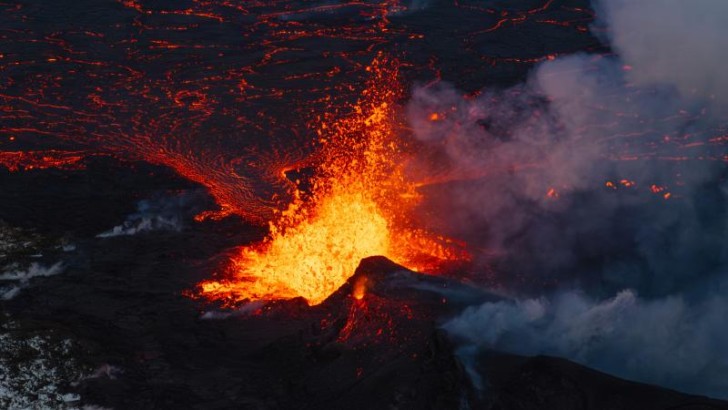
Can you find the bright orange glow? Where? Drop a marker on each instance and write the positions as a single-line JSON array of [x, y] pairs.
[[360, 206], [360, 288], [313, 258]]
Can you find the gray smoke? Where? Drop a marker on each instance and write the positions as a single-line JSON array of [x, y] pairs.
[[160, 213], [682, 43], [604, 174], [668, 341]]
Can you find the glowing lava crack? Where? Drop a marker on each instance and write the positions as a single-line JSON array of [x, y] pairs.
[[359, 206]]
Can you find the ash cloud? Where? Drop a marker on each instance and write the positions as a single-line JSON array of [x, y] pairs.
[[598, 188]]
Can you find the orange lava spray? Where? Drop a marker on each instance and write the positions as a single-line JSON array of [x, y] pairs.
[[360, 206]]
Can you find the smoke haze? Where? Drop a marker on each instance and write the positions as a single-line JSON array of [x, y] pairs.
[[599, 186], [671, 41]]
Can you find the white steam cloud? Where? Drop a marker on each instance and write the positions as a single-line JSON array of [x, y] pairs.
[[13, 279], [668, 341], [137, 224], [538, 160], [157, 214], [677, 42]]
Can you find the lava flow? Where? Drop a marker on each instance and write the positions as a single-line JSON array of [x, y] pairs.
[[359, 205]]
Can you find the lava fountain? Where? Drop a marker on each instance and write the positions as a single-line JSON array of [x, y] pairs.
[[358, 204]]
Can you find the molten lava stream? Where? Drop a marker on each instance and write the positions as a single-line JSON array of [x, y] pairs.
[[359, 206]]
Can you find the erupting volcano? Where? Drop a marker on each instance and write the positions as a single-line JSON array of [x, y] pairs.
[[363, 204]]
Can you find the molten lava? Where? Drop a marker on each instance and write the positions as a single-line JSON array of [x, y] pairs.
[[313, 258], [360, 205], [15, 161]]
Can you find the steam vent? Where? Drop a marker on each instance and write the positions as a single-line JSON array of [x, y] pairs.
[[371, 204]]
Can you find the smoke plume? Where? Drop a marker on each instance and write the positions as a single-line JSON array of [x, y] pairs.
[[672, 42], [157, 214], [598, 188]]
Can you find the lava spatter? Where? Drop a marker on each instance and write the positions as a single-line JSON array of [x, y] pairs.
[[360, 205]]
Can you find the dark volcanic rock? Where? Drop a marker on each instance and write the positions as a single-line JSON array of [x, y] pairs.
[[389, 338], [551, 383]]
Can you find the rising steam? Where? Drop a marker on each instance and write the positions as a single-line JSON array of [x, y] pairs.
[[604, 174], [156, 214]]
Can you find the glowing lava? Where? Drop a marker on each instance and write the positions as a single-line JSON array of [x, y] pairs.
[[15, 161], [360, 206], [313, 258]]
